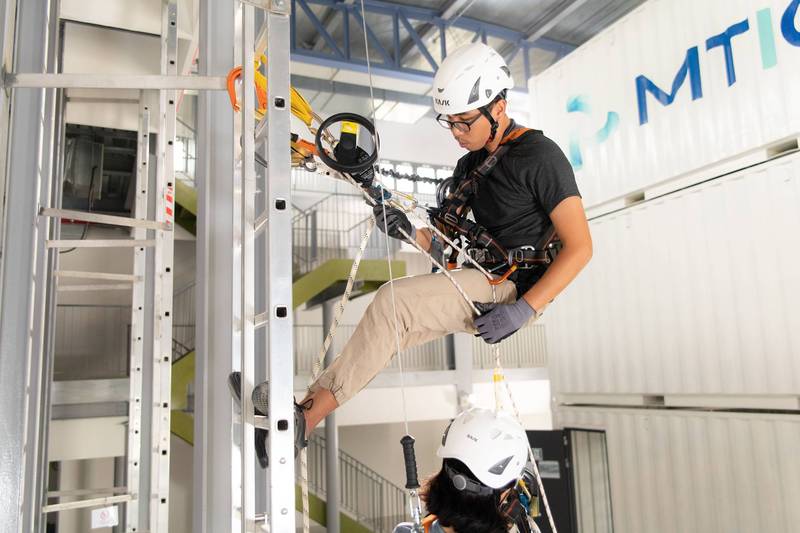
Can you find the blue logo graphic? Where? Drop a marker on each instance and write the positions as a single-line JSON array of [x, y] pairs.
[[580, 104], [691, 65]]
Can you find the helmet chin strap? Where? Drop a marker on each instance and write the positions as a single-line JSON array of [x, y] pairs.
[[485, 112]]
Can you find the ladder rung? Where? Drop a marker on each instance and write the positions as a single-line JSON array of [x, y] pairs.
[[101, 287], [95, 275], [94, 502], [114, 81], [261, 320], [261, 222], [84, 216], [101, 243], [260, 421], [84, 492]]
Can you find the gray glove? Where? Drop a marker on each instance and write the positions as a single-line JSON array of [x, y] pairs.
[[395, 219], [502, 320]]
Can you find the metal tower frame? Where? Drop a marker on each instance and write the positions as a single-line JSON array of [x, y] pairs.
[[31, 110]]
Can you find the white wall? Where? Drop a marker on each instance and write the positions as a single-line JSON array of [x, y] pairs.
[[423, 142], [690, 295], [378, 447], [83, 474], [87, 438], [91, 49], [759, 110], [181, 486], [698, 472], [143, 16], [688, 300]]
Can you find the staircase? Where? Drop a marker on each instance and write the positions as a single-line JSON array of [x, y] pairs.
[[369, 502], [325, 240]]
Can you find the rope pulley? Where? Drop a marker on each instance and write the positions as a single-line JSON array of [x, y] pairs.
[[348, 156]]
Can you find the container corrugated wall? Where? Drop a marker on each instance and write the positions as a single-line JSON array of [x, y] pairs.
[[696, 292], [698, 472], [572, 100]]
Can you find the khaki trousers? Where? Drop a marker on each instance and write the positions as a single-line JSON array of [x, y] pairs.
[[428, 307]]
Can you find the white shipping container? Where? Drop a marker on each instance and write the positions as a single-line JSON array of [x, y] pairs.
[[696, 471], [692, 294], [740, 93]]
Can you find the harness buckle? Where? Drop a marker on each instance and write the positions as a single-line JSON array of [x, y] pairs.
[[517, 255], [450, 218]]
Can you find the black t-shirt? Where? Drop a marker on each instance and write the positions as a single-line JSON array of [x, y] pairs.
[[515, 200]]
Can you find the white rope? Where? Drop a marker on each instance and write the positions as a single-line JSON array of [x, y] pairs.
[[317, 366]]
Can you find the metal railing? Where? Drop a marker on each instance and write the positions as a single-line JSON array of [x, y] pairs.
[[92, 342], [183, 321], [308, 339], [333, 229], [527, 348], [369, 498]]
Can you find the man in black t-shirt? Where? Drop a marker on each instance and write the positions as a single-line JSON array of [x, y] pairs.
[[530, 191]]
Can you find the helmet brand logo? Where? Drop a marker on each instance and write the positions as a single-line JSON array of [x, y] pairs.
[[440, 89], [442, 102], [488, 93]]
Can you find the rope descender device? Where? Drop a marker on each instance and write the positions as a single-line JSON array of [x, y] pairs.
[[347, 157]]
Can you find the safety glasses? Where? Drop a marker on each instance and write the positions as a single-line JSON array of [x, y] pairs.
[[460, 125]]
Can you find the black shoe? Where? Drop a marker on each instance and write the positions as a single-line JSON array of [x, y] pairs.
[[235, 385], [261, 407], [260, 401]]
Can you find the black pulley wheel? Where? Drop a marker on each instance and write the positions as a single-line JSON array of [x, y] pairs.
[[349, 168], [444, 189]]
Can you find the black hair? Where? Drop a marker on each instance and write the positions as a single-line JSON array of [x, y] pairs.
[[463, 511]]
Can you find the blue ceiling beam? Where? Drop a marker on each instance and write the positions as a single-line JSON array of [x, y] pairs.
[[401, 16], [315, 57]]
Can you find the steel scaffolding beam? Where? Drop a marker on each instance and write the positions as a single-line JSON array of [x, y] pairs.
[[25, 274], [231, 210], [402, 18], [114, 81], [214, 453], [280, 349], [34, 174], [245, 244], [136, 366], [163, 258]]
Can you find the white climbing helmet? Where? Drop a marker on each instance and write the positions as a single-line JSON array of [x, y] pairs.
[[492, 445], [469, 78]]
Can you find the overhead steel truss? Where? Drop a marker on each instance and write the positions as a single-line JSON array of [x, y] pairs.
[[338, 53]]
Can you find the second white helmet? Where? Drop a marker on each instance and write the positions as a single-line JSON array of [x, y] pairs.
[[492, 445], [469, 78]]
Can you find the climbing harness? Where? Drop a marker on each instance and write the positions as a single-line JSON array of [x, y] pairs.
[[450, 217]]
